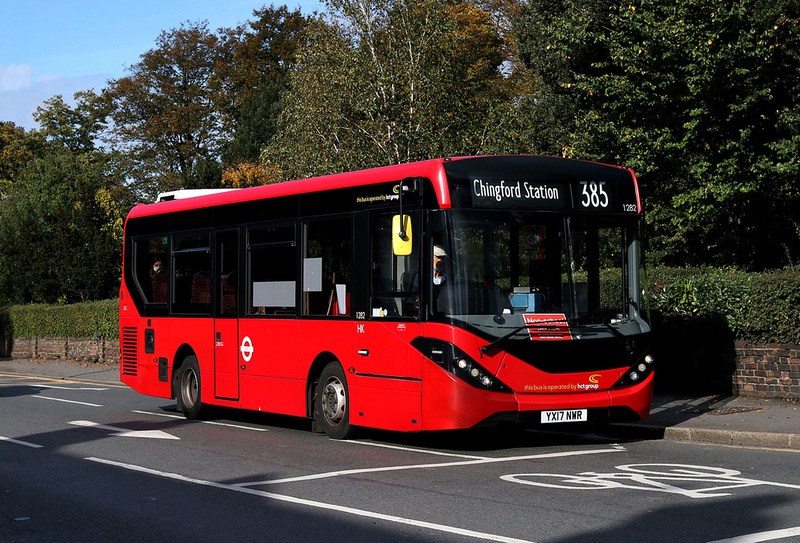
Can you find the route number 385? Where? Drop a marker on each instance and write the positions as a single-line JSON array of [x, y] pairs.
[[593, 194]]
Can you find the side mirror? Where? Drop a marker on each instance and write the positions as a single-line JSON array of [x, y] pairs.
[[401, 235]]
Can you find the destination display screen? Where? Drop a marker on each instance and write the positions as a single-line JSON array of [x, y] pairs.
[[543, 183], [589, 195]]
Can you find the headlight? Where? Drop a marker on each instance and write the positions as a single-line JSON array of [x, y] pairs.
[[457, 362], [638, 372]]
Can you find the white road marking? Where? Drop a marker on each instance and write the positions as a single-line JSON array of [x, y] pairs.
[[425, 466], [703, 481], [762, 536], [408, 449], [67, 401], [124, 432], [318, 505], [18, 442], [70, 388], [211, 422]]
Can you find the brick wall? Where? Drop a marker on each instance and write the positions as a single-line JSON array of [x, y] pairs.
[[60, 348], [767, 370]]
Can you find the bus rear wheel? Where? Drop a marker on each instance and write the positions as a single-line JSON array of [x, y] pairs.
[[188, 388], [333, 403]]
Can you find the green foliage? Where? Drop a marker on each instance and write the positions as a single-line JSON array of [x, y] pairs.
[[61, 221], [775, 307], [757, 307], [74, 129], [61, 232], [699, 98], [258, 123], [392, 81], [251, 72], [164, 113], [17, 148], [89, 319], [559, 40], [198, 98]]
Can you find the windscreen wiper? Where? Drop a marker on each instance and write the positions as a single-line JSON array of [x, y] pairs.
[[616, 333], [527, 326]]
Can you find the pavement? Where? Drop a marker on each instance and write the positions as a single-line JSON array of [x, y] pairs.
[[726, 420]]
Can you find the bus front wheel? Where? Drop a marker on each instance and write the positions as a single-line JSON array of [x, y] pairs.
[[188, 388], [332, 403]]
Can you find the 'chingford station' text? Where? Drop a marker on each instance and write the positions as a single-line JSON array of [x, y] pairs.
[[518, 191]]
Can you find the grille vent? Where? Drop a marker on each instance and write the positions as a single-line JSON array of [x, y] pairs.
[[130, 355]]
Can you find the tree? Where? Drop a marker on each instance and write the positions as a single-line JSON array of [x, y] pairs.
[[257, 121], [249, 174], [390, 81], [559, 40], [700, 98], [61, 232], [251, 73], [75, 129], [61, 224], [17, 148], [165, 115]]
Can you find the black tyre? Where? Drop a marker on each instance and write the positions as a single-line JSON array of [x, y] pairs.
[[332, 403], [187, 391]]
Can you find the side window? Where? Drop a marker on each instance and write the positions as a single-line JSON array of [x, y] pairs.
[[395, 279], [227, 268], [328, 267], [191, 264], [272, 270], [150, 268]]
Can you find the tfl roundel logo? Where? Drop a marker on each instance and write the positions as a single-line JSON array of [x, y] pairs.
[[246, 348]]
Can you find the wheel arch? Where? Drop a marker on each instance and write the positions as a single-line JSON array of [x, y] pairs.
[[322, 359], [183, 352]]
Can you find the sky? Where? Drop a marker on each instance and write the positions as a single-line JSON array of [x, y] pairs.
[[50, 47]]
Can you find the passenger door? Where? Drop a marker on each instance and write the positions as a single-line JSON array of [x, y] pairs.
[[226, 323]]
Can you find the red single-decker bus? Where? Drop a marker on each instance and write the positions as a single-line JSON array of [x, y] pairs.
[[435, 295]]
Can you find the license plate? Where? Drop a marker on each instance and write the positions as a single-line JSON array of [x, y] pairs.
[[565, 415]]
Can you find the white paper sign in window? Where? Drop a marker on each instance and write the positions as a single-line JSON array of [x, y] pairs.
[[312, 275], [273, 293]]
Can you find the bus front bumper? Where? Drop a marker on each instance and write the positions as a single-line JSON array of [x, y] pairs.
[[448, 403], [626, 404]]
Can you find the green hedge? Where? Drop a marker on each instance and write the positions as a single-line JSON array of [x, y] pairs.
[[88, 319], [755, 307]]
